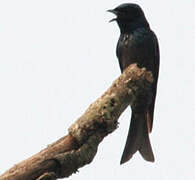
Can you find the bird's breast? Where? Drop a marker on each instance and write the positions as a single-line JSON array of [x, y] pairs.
[[137, 47], [126, 39]]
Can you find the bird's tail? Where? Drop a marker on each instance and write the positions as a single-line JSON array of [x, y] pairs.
[[138, 139]]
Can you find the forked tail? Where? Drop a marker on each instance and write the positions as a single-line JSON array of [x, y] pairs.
[[138, 139]]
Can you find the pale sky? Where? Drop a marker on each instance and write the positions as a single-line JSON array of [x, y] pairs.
[[57, 57]]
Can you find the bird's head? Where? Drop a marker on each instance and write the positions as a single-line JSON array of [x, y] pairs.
[[129, 16]]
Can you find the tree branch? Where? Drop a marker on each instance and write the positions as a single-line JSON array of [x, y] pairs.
[[78, 148]]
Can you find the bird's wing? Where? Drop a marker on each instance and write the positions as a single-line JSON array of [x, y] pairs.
[[150, 112]]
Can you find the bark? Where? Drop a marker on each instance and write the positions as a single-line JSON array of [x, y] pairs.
[[65, 156]]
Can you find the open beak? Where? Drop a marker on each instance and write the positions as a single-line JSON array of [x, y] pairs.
[[114, 12]]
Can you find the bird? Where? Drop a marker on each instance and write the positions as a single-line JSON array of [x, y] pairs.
[[138, 44]]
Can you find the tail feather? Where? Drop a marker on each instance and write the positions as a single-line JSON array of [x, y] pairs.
[[138, 139], [145, 148]]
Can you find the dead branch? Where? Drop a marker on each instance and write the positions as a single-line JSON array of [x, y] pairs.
[[78, 148]]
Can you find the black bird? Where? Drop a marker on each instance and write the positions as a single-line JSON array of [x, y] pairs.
[[137, 44]]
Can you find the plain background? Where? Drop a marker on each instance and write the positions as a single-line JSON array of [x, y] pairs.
[[57, 57]]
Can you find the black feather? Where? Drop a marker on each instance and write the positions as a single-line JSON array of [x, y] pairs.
[[138, 44]]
